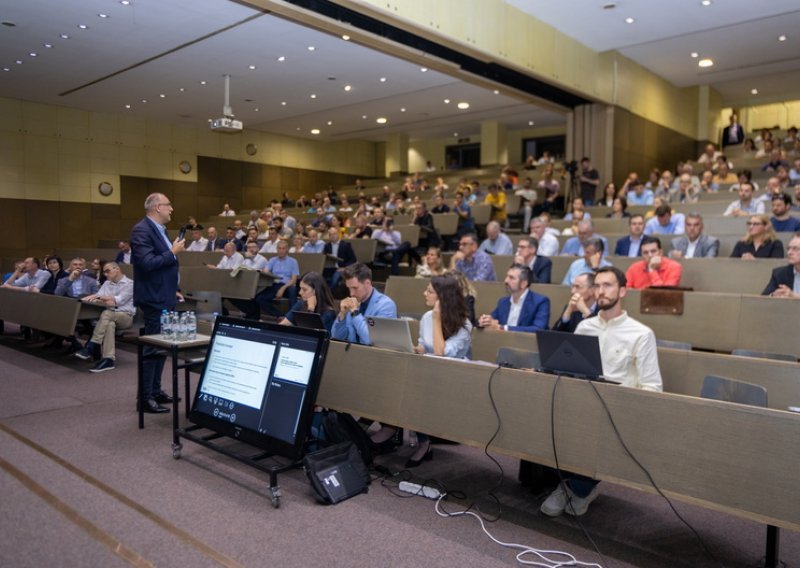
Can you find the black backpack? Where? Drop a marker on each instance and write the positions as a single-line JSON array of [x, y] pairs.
[[338, 427]]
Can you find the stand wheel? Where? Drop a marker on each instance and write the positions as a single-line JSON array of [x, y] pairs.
[[176, 451], [276, 497]]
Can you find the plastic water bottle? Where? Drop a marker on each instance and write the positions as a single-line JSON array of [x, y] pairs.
[[165, 327], [173, 326], [191, 321], [181, 335]]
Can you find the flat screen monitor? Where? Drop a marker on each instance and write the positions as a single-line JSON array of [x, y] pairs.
[[259, 383], [570, 354]]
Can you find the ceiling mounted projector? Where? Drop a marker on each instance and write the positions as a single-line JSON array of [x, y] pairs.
[[227, 124]]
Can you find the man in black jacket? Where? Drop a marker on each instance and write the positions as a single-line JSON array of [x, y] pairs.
[[785, 280], [341, 250], [541, 266], [581, 304]]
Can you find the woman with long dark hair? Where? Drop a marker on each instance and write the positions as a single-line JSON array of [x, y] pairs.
[[315, 296], [55, 266]]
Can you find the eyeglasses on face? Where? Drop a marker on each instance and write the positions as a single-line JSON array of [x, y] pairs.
[[752, 223]]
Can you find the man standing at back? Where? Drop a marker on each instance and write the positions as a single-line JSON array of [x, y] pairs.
[[155, 288]]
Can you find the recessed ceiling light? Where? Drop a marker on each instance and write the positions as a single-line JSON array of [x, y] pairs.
[[629, 20], [315, 131], [381, 120], [531, 123], [163, 96], [694, 55], [347, 87], [282, 58], [313, 96], [83, 26], [753, 91], [251, 67], [256, 109], [33, 54], [705, 62], [423, 69], [455, 133], [447, 101], [403, 109], [127, 106], [181, 89], [298, 129], [706, 2], [311, 48], [48, 45], [383, 79], [203, 82], [283, 103], [144, 101], [18, 62], [463, 105], [6, 68], [781, 38], [330, 123], [125, 2], [364, 116], [346, 37], [104, 16], [496, 92], [64, 36]]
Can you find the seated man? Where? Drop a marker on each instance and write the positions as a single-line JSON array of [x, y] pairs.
[[745, 205], [639, 195], [592, 260], [585, 230], [523, 309], [630, 244], [654, 269], [79, 283], [230, 237], [314, 245], [542, 267], [686, 192], [577, 205], [785, 280], [341, 250], [694, 244], [581, 304], [497, 199], [271, 244], [364, 300], [116, 294], [230, 258], [286, 271], [548, 242], [252, 261], [664, 222], [782, 221], [629, 356], [199, 242], [475, 265], [28, 276], [394, 247], [124, 254], [214, 241], [497, 242]]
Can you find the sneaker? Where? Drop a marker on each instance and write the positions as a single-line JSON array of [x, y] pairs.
[[578, 506], [104, 365], [84, 354], [555, 504]]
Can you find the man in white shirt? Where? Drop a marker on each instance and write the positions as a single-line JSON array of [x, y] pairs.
[[271, 244], [116, 294], [314, 244], [496, 241], [745, 205], [252, 259], [629, 355], [227, 211], [199, 242], [548, 243], [230, 258]]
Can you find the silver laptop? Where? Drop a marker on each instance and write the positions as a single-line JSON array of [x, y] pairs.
[[390, 333]]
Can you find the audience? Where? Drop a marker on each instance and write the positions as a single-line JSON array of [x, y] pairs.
[[476, 265], [760, 240], [431, 264], [665, 222], [55, 266], [523, 309], [315, 296], [548, 243], [654, 269], [785, 280], [781, 219], [364, 300], [540, 266], [694, 244], [581, 304], [497, 242], [592, 259], [27, 276], [630, 244]]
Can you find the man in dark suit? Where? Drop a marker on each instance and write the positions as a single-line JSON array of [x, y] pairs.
[[541, 266], [215, 242], [523, 310], [734, 133], [340, 249], [694, 244], [581, 304], [230, 237], [124, 254], [630, 244], [155, 288], [785, 280]]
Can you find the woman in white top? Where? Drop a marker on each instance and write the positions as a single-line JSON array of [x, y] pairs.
[[445, 329]]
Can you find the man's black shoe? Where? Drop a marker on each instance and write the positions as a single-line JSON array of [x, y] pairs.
[[104, 365], [164, 398], [152, 407]]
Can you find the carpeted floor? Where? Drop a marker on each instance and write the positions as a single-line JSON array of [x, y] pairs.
[[82, 486]]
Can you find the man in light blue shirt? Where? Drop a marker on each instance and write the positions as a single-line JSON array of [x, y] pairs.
[[640, 195], [286, 271], [665, 222], [79, 283], [28, 277], [364, 301], [574, 245], [592, 259], [497, 242], [313, 244]]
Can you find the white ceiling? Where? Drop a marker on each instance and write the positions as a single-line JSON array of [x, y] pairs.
[[740, 36], [158, 47]]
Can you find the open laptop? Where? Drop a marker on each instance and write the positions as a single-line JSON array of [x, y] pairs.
[[570, 355], [390, 333], [309, 320]]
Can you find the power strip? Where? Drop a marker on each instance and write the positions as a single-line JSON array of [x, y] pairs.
[[417, 489]]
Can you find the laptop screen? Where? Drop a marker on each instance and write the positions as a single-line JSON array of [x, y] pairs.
[[569, 354], [259, 383]]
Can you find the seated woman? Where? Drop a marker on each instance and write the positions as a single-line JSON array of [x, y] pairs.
[[760, 240], [609, 194], [316, 297], [445, 331], [619, 209], [431, 264], [55, 266]]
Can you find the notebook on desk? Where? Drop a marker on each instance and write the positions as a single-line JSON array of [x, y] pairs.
[[390, 333], [570, 355]]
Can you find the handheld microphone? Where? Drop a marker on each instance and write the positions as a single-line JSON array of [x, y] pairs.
[[182, 233]]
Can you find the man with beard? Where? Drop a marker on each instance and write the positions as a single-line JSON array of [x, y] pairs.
[[629, 356], [523, 309]]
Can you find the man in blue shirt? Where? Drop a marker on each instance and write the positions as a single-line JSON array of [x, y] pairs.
[[630, 244], [640, 195], [574, 245], [286, 271], [314, 244], [665, 222], [28, 276], [364, 301], [781, 221], [497, 242], [592, 260], [474, 264]]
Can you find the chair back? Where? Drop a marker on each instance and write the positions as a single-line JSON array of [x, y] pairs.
[[764, 355], [730, 390], [209, 302], [674, 344]]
